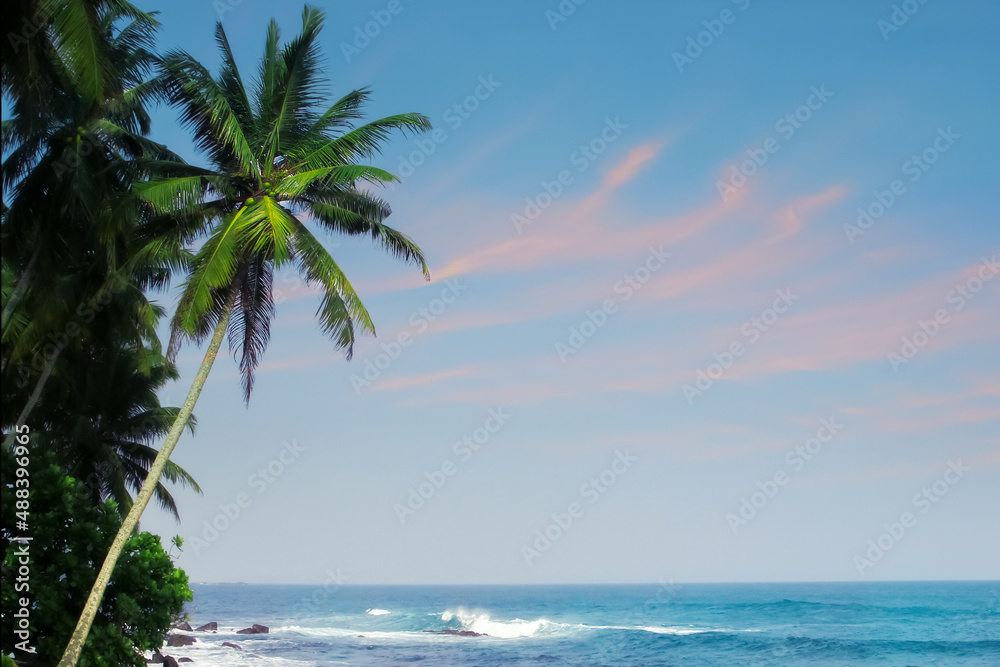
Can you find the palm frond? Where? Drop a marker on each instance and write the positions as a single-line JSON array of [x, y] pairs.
[[214, 268], [230, 80], [359, 213], [361, 142], [341, 307], [250, 326]]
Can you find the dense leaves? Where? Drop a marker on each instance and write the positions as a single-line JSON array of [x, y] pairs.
[[96, 218], [278, 157], [71, 535]]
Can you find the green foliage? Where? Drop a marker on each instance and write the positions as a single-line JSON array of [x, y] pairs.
[[71, 536], [276, 152], [81, 360]]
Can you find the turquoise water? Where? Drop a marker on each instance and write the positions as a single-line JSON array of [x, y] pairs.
[[898, 623]]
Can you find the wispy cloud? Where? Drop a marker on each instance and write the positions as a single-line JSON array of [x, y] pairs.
[[410, 381]]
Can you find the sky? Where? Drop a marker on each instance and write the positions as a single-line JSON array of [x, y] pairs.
[[714, 297]]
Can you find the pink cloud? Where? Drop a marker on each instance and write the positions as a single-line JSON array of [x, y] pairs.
[[623, 172], [515, 393], [409, 381]]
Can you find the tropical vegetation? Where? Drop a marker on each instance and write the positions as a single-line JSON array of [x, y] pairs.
[[70, 537], [98, 218]]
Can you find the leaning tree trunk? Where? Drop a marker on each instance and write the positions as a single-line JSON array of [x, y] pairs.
[[19, 290], [35, 395], [76, 642]]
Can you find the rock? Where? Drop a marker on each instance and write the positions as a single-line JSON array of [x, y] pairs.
[[184, 626], [464, 633], [254, 630], [232, 645], [157, 658], [169, 661], [185, 660], [208, 627], [180, 640]]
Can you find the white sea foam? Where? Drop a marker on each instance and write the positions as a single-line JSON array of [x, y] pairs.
[[672, 631], [660, 630], [209, 651], [482, 623], [380, 635], [378, 612]]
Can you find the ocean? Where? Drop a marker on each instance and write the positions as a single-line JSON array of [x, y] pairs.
[[867, 623]]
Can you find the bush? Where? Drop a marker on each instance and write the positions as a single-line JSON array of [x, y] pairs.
[[70, 538]]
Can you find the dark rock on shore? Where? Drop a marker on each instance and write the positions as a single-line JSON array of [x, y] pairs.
[[183, 626], [180, 640], [254, 630], [459, 633], [213, 627], [169, 661], [157, 659], [232, 645], [185, 660]]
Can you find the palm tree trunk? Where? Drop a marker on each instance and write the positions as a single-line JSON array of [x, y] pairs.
[[79, 637], [19, 290], [15, 298], [35, 395]]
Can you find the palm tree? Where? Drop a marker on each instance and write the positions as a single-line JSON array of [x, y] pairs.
[[68, 146], [275, 156], [50, 44], [102, 415], [70, 161]]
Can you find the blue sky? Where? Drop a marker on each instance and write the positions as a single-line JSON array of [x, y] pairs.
[[661, 341]]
